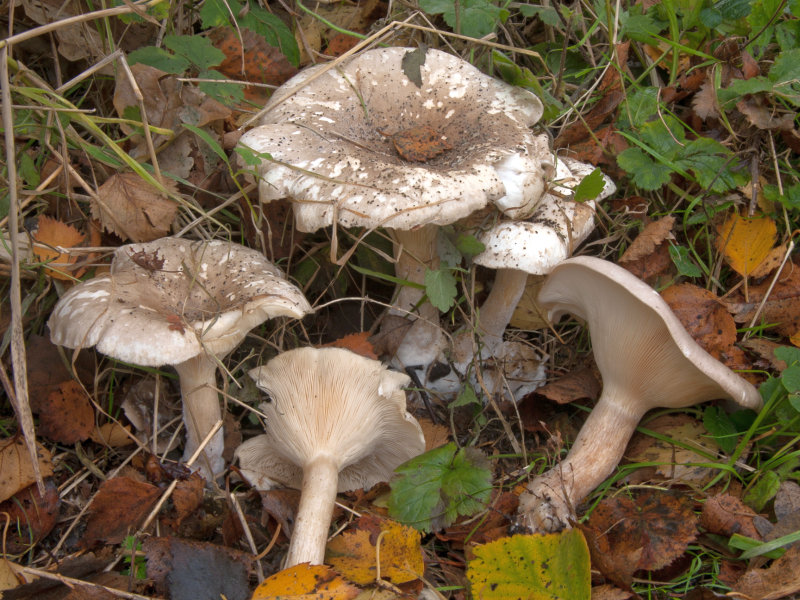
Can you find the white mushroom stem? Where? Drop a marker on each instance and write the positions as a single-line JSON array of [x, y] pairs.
[[314, 515], [548, 503], [201, 411]]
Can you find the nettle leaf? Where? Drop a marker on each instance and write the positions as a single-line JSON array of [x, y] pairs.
[[547, 14], [195, 48], [430, 491], [215, 13], [469, 245], [647, 174], [718, 424], [273, 30], [159, 59], [478, 17], [680, 258], [440, 286], [763, 491], [708, 162], [590, 186]]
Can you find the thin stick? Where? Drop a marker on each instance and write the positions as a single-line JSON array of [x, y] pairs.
[[71, 583], [271, 543], [88, 72], [18, 362], [165, 496], [249, 536], [142, 113]]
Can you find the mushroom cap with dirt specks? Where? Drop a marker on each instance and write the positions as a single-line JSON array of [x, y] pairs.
[[215, 291], [644, 353], [331, 402], [332, 157]]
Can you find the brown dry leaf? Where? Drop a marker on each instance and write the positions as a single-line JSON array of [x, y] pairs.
[[75, 42], [357, 343], [578, 384], [787, 501], [345, 16], [705, 101], [609, 592], [8, 577], [601, 151], [33, 516], [353, 554], [341, 43], [771, 262], [393, 329], [419, 144], [649, 267], [703, 316], [651, 236], [763, 116], [66, 415], [662, 524], [617, 565], [306, 582], [16, 471], [528, 315], [657, 54], [780, 580], [187, 498], [726, 515], [765, 350], [262, 63], [746, 242], [119, 506], [502, 510], [112, 435], [55, 233], [134, 209], [435, 435], [282, 506]]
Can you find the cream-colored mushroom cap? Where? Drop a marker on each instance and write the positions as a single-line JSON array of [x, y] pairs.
[[339, 163], [205, 296], [331, 402], [644, 353]]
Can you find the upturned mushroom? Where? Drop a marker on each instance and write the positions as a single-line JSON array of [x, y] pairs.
[[180, 303], [336, 422], [365, 146], [647, 360]]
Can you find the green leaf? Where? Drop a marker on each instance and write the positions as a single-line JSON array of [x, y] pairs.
[[789, 355], [743, 419], [647, 174], [226, 92], [446, 249], [467, 396], [159, 59], [249, 157], [412, 62], [740, 542], [710, 17], [665, 142], [212, 143], [788, 34], [28, 170], [547, 14], [731, 10], [723, 430], [640, 27], [390, 278], [440, 286], [215, 13], [195, 48], [478, 17], [522, 77], [273, 30], [430, 491], [705, 158], [680, 258], [469, 245], [766, 488], [790, 378], [537, 567], [771, 546], [590, 186], [762, 24], [639, 107]]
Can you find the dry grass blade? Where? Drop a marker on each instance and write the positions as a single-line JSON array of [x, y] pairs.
[[71, 583]]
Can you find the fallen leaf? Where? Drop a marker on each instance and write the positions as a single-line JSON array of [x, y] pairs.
[[528, 315], [617, 566], [787, 501], [76, 41], [306, 582], [393, 329], [653, 265], [134, 209], [780, 580], [119, 506], [578, 384], [651, 236], [66, 416], [705, 101], [357, 343], [500, 516], [353, 554], [763, 116], [435, 435], [341, 43], [658, 54], [187, 498], [765, 349], [609, 592], [703, 316], [32, 516], [341, 15], [532, 566], [55, 233], [112, 435], [282, 505], [16, 471], [419, 144], [726, 515], [662, 524], [772, 261], [8, 577], [746, 242], [189, 570]]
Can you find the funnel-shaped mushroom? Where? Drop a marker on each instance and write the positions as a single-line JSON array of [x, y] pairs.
[[647, 360], [336, 422], [336, 143], [180, 303]]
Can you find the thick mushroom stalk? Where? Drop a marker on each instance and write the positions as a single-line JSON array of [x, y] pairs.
[[180, 303], [647, 360], [336, 422]]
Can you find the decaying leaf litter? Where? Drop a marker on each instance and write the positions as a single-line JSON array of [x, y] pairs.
[[123, 127]]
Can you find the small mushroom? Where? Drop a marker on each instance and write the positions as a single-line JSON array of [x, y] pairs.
[[647, 360], [334, 145], [180, 303], [336, 422]]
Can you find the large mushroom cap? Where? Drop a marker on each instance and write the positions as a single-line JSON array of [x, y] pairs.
[[203, 296], [331, 402], [640, 346], [333, 138]]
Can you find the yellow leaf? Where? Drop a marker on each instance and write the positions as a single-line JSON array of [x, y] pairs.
[[528, 314], [353, 554], [55, 233], [306, 582], [16, 469], [8, 577], [746, 242], [112, 435]]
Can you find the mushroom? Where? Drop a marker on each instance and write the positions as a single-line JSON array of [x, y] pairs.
[[336, 422], [647, 360], [334, 146], [180, 303]]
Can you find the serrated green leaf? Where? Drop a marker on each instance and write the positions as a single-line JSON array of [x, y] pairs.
[[721, 428], [478, 17], [706, 160], [732, 10], [273, 30], [445, 249], [640, 27], [680, 258], [743, 419], [665, 142], [28, 170], [711, 17], [440, 286], [590, 186], [789, 355], [430, 491], [226, 92], [762, 23], [195, 48], [647, 174], [639, 107], [790, 378], [215, 13], [159, 59], [467, 396], [788, 34], [763, 491], [249, 157], [547, 14], [536, 567], [469, 245]]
